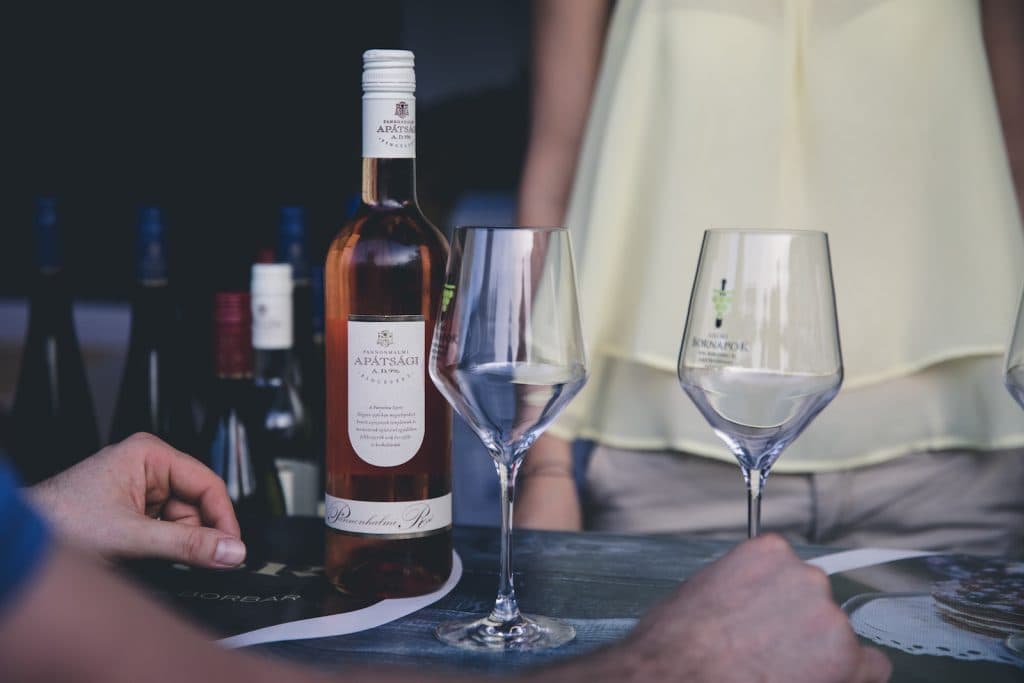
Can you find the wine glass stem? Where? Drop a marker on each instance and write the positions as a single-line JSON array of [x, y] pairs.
[[755, 482], [506, 609]]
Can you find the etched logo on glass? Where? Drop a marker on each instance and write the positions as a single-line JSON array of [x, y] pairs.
[[721, 299]]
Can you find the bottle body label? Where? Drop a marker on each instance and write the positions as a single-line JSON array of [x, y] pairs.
[[405, 519], [386, 390], [389, 126]]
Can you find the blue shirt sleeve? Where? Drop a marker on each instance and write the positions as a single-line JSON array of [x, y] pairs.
[[24, 538]]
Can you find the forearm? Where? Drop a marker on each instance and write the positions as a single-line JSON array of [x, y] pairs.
[[567, 40], [78, 622], [547, 490], [1003, 29]]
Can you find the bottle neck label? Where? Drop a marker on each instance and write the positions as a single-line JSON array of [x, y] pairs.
[[402, 519], [386, 387], [271, 320], [389, 126]]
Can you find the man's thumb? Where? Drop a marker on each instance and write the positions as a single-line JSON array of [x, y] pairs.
[[197, 545]]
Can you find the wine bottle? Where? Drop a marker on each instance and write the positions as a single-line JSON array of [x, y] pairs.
[[228, 436], [153, 396], [292, 250], [388, 498], [315, 401], [281, 419], [53, 424], [316, 285]]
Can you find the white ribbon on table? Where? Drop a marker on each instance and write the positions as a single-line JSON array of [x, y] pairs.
[[363, 619], [849, 560]]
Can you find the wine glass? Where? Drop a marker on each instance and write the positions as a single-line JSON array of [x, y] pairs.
[[508, 355], [760, 353], [1014, 377]]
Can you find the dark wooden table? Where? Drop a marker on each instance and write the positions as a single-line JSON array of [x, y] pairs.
[[600, 583]]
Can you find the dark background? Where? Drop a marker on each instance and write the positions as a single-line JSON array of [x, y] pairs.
[[221, 112]]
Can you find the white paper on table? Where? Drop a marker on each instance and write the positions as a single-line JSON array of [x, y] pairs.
[[848, 560], [897, 607], [363, 619]]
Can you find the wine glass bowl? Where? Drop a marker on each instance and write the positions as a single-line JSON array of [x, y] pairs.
[[508, 355], [760, 355], [509, 404]]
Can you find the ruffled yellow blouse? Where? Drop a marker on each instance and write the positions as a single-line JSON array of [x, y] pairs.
[[874, 121]]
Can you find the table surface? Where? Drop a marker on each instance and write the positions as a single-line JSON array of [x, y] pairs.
[[600, 583]]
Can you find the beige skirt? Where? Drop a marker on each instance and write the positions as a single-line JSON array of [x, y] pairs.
[[965, 501]]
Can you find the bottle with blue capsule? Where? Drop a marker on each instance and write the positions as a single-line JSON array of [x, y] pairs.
[[53, 424], [316, 401], [293, 249], [154, 396]]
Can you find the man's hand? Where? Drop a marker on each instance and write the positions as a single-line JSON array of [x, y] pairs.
[[142, 498], [757, 614]]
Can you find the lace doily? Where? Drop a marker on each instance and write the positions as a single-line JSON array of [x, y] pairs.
[[910, 622]]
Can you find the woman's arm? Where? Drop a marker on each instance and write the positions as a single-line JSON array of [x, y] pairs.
[[568, 36], [1002, 23], [547, 491]]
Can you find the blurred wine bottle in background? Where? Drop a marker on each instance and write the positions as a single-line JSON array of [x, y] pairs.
[[317, 402], [228, 432], [316, 279], [154, 395], [292, 248], [282, 420], [53, 424]]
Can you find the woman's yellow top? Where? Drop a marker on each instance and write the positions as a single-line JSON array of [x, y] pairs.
[[874, 121]]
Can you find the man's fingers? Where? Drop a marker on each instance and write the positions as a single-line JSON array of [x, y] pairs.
[[196, 545], [181, 512], [875, 667], [181, 476]]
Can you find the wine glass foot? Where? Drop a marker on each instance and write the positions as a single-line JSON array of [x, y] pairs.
[[527, 632]]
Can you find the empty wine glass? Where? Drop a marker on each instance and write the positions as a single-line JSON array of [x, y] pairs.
[[508, 355], [1014, 377], [760, 353]]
